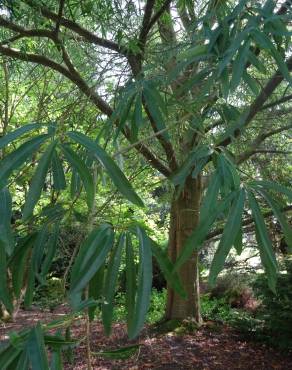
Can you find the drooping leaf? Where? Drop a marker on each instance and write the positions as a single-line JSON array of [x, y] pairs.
[[264, 243], [130, 281], [5, 220], [91, 256], [144, 283], [166, 267], [36, 349], [155, 106], [286, 228], [18, 263], [110, 284], [51, 247], [38, 181], [196, 239], [114, 172], [84, 173], [269, 185], [58, 173], [16, 158], [7, 355], [180, 176], [95, 289], [238, 243], [239, 64], [5, 297], [264, 42], [11, 136], [228, 237]]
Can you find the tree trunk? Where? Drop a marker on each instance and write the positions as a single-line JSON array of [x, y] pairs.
[[184, 219]]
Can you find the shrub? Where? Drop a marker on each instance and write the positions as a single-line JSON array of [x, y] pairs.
[[276, 308]]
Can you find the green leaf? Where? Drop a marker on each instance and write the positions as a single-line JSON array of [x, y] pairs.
[[130, 281], [7, 355], [110, 284], [121, 353], [152, 100], [91, 256], [239, 64], [256, 62], [180, 176], [5, 220], [251, 83], [4, 292], [11, 136], [144, 283], [286, 228], [58, 173], [75, 184], [15, 159], [38, 181], [57, 342], [83, 172], [238, 245], [18, 263], [269, 185], [196, 239], [167, 267], [264, 42], [56, 360], [51, 246], [36, 349], [95, 289], [229, 235], [22, 363], [264, 243], [137, 117], [210, 198], [193, 52], [117, 176]]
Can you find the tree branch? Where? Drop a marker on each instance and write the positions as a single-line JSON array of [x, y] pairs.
[[23, 31], [284, 99], [145, 23], [257, 141], [89, 92], [246, 222], [257, 105], [81, 31]]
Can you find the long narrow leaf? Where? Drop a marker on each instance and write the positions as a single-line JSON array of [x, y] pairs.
[[228, 238], [286, 228], [144, 283], [196, 239], [264, 243], [38, 181], [11, 136], [130, 281], [36, 349], [117, 176], [110, 284], [15, 159], [5, 220], [166, 267], [90, 258], [58, 173], [4, 292]]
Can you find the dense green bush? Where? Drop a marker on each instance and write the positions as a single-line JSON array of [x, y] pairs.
[[276, 308]]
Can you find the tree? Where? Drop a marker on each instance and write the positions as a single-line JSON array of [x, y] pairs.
[[182, 82]]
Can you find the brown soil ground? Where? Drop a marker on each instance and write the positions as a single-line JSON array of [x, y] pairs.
[[205, 349]]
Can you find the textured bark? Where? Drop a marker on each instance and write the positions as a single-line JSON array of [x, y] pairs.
[[184, 219]]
